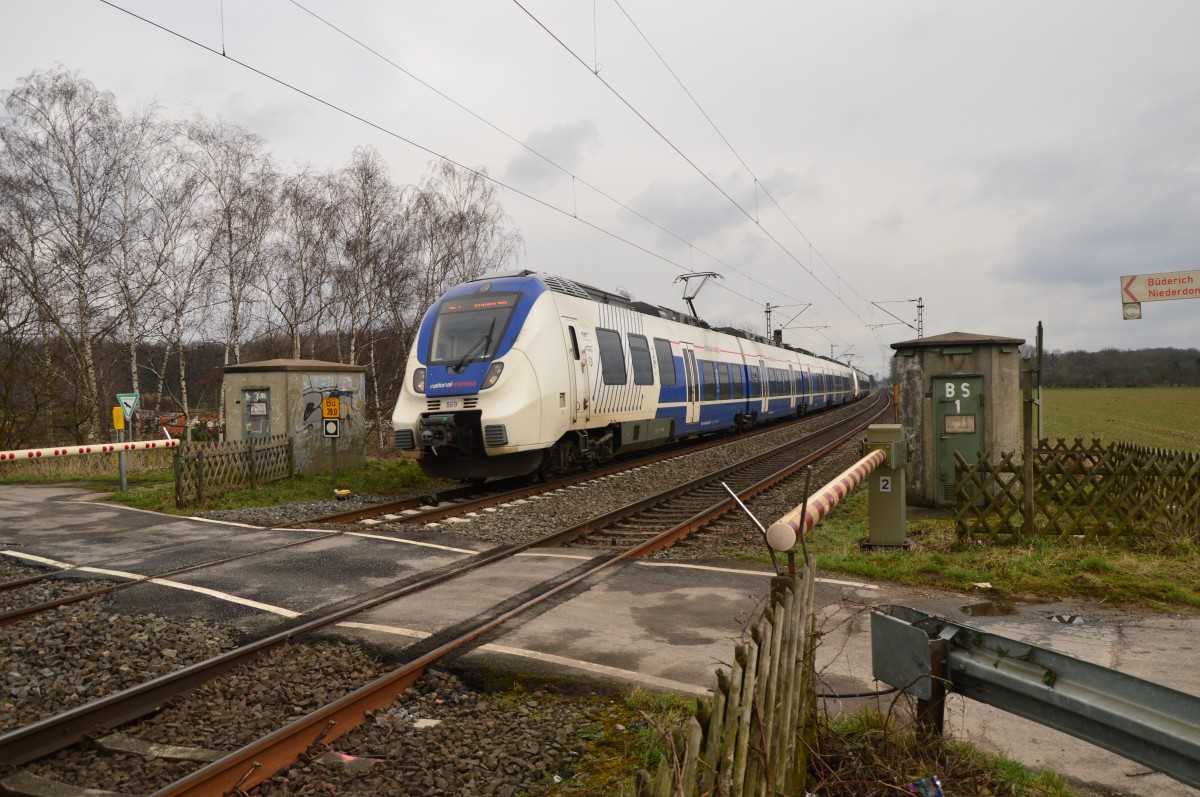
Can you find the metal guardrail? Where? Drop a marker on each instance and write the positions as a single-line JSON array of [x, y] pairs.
[[1138, 719]]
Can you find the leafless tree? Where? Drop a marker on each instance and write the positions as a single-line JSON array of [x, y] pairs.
[[20, 400], [372, 268], [64, 141], [459, 230], [180, 246], [131, 269], [296, 281], [240, 187]]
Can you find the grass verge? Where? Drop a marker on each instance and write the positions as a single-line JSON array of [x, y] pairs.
[[1163, 574], [868, 753], [378, 477]]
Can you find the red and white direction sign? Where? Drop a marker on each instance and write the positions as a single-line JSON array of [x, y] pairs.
[[1160, 287]]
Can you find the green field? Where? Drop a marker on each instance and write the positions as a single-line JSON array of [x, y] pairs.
[[1163, 417]]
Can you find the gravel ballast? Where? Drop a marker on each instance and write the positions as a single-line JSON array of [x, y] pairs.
[[440, 738]]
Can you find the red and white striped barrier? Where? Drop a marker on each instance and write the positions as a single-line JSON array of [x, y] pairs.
[[784, 532], [97, 448]]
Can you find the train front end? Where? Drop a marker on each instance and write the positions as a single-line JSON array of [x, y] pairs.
[[471, 405]]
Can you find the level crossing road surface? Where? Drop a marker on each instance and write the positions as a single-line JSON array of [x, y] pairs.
[[660, 623]]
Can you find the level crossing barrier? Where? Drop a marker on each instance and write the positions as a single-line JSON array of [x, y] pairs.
[[26, 454]]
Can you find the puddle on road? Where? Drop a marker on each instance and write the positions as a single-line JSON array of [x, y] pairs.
[[990, 609]]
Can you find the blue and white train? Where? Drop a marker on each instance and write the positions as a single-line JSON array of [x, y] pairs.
[[535, 374]]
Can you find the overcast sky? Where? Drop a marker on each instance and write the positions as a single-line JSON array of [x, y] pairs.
[[1006, 161]]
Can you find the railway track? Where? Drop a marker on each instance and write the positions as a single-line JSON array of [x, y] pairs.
[[689, 507], [416, 510], [471, 498], [635, 530]]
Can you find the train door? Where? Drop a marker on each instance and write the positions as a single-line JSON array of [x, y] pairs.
[[791, 387], [578, 404], [692, 375], [766, 387]]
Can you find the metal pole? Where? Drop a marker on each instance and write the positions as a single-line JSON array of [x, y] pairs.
[[121, 463], [931, 712], [1027, 454], [333, 459]]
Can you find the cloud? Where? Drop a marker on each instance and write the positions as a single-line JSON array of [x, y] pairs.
[[887, 224], [1124, 202], [563, 144]]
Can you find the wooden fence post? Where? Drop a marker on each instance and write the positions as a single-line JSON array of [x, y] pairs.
[[200, 475], [1027, 445], [177, 465], [251, 465]]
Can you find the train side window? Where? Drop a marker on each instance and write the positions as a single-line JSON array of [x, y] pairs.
[[666, 362], [574, 342], [709, 390], [755, 387], [639, 353], [739, 387], [612, 357], [723, 379]]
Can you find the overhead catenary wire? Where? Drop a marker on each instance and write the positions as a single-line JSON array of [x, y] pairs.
[[434, 153], [386, 131], [546, 159], [758, 184], [694, 166]]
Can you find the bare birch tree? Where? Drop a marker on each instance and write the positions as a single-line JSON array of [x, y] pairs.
[[180, 246], [296, 281], [65, 142], [373, 267], [240, 185], [459, 230]]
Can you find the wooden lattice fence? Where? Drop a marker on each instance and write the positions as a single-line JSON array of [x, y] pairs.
[[204, 469], [1080, 490], [753, 735]]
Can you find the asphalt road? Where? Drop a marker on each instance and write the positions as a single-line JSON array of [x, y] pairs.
[[663, 624]]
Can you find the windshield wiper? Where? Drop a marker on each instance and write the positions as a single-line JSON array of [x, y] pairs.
[[483, 342]]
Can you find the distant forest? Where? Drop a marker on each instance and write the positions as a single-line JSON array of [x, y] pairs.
[[1116, 368]]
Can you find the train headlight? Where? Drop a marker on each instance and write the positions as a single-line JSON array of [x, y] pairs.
[[419, 380], [493, 374]]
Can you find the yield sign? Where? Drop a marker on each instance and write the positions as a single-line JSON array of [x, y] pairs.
[[128, 402]]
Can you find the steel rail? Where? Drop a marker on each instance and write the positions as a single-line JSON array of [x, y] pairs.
[[707, 516], [52, 734], [310, 735], [592, 525], [500, 490], [55, 733], [13, 615]]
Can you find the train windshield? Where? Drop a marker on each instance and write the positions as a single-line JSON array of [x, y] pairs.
[[470, 329]]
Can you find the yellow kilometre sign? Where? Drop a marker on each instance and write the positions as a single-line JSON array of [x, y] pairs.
[[331, 407]]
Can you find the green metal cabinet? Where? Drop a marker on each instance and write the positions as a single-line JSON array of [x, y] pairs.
[[958, 427]]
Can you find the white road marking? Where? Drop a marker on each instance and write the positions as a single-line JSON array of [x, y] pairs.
[[753, 573], [163, 582], [549, 658], [411, 542]]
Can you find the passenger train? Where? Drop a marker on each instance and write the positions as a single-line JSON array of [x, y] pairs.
[[535, 374]]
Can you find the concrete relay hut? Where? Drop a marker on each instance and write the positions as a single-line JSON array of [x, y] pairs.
[[959, 392], [273, 397]]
